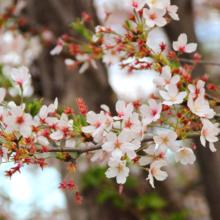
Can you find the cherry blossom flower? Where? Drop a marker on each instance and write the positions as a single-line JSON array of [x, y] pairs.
[[166, 78], [42, 118], [123, 110], [172, 96], [153, 154], [171, 10], [70, 63], [53, 107], [94, 38], [20, 75], [18, 121], [2, 94], [156, 173], [98, 156], [96, 122], [209, 133], [182, 46], [118, 169], [132, 123], [167, 139], [136, 4], [112, 56], [150, 113], [64, 128], [154, 16], [200, 107], [59, 47], [119, 145], [100, 29], [157, 3], [87, 60], [197, 90], [185, 155], [41, 140], [101, 137], [3, 153], [106, 109]]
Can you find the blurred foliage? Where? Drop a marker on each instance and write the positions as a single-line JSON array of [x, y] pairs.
[[4, 81], [151, 205], [81, 29], [34, 107]]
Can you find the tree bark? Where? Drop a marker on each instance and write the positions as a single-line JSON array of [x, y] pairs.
[[208, 161], [52, 79]]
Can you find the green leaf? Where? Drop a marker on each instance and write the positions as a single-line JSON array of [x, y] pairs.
[[166, 60], [82, 30], [80, 120], [128, 24], [35, 107]]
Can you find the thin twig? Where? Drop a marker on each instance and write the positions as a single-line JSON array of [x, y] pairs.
[[204, 62]]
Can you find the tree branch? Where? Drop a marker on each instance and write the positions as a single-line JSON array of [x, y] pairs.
[[98, 146], [204, 62]]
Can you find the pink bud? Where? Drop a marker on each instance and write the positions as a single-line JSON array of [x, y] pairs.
[[120, 188], [194, 146]]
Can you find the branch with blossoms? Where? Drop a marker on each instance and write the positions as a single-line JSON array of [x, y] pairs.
[[139, 135]]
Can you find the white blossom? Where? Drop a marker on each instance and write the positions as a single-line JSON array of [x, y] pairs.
[[154, 16], [96, 122], [185, 156], [200, 107], [20, 75], [197, 90], [136, 4], [182, 46], [123, 110], [209, 133], [150, 113], [156, 173], [166, 78], [18, 121], [58, 49], [172, 96], [118, 169], [153, 154], [167, 139]]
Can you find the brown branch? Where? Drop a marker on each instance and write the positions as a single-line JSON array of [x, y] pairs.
[[99, 146], [204, 62]]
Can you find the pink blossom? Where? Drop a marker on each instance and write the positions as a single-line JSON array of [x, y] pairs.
[[20, 75], [156, 173], [197, 90], [136, 4], [182, 46], [185, 155], [154, 16], [150, 113], [172, 96], [167, 139], [18, 121], [166, 78], [118, 169]]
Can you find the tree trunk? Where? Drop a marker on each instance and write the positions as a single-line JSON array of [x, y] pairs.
[[208, 161], [52, 79]]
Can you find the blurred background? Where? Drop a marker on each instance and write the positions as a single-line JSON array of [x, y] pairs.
[[191, 192]]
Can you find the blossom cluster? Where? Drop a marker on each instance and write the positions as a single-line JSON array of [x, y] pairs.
[[141, 134]]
